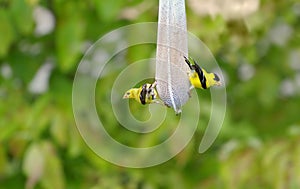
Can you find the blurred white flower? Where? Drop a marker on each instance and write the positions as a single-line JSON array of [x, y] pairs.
[[40, 82], [294, 59], [246, 71], [297, 81], [294, 130], [296, 9], [44, 19], [280, 33], [29, 48], [229, 9], [287, 88], [6, 71]]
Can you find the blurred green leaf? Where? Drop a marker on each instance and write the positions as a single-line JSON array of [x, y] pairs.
[[75, 142], [18, 145], [53, 176], [3, 161], [69, 42], [39, 110], [7, 33], [108, 10], [22, 16], [59, 130]]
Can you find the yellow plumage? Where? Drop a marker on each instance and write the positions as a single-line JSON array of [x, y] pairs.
[[146, 94], [199, 77]]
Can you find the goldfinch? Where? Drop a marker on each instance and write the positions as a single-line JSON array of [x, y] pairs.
[[146, 94], [200, 78]]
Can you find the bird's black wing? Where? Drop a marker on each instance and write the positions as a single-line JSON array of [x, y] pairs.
[[150, 91], [201, 75], [143, 94]]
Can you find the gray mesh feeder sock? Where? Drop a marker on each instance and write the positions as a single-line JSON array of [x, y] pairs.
[[171, 71]]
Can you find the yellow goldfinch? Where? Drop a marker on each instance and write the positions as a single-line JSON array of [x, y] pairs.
[[146, 94], [200, 78]]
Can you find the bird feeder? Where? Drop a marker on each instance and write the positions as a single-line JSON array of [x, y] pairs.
[[171, 71]]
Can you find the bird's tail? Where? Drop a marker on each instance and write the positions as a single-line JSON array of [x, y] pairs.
[[188, 62]]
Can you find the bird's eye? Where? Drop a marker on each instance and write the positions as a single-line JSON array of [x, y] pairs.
[[216, 77], [128, 93]]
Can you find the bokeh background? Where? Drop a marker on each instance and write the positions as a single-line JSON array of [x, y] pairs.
[[257, 46]]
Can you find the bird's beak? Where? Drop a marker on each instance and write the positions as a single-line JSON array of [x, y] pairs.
[[219, 83], [125, 96]]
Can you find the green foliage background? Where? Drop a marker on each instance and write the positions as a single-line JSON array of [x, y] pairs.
[[259, 144]]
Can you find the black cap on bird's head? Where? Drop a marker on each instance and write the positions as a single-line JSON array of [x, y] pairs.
[[217, 80], [216, 77]]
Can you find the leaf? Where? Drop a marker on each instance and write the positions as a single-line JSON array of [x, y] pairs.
[[22, 16], [68, 42], [17, 144], [39, 117], [7, 33], [108, 10], [58, 130], [3, 161], [75, 143], [53, 176]]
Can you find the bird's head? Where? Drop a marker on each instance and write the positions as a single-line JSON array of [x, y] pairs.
[[216, 80], [129, 94], [213, 80]]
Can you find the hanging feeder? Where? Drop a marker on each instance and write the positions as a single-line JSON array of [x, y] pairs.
[[171, 71]]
